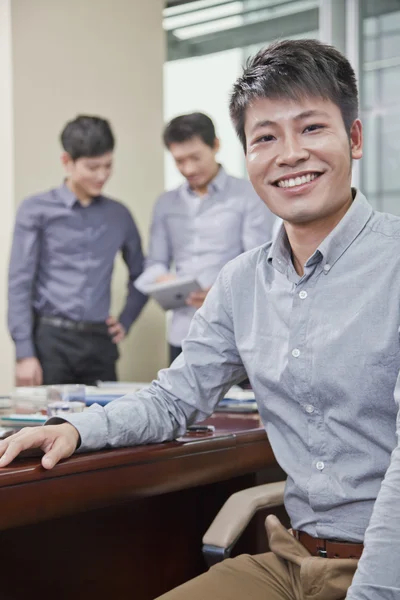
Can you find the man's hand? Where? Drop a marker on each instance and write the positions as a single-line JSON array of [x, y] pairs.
[[165, 277], [116, 330], [28, 372], [56, 441], [196, 299]]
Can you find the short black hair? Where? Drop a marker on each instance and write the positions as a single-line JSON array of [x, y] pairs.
[[87, 136], [295, 69], [185, 127]]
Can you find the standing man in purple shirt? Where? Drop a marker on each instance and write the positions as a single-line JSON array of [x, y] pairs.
[[63, 251]]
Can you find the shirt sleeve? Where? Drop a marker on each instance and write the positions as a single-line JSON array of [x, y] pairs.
[[378, 575], [159, 256], [258, 222], [22, 272], [133, 257], [185, 393]]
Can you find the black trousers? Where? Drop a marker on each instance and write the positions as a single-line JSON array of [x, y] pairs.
[[174, 352], [68, 356]]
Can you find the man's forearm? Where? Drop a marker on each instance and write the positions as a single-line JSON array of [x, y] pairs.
[[133, 307], [378, 574]]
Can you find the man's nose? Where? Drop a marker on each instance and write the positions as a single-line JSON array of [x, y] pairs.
[[291, 152]]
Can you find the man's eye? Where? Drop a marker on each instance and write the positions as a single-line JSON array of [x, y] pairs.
[[313, 127], [264, 138]]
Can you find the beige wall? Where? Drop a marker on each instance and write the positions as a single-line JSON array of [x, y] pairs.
[[100, 57], [6, 189]]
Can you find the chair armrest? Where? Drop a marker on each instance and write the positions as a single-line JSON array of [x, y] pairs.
[[235, 515]]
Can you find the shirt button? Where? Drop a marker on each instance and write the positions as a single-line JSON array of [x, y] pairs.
[[310, 409], [296, 352], [303, 294], [320, 465], [327, 268]]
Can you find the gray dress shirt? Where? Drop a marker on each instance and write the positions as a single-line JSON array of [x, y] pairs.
[[322, 353], [199, 235], [62, 260]]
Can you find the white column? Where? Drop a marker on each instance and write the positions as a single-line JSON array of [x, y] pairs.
[[332, 23], [6, 190], [354, 52]]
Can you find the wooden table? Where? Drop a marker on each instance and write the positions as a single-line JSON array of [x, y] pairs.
[[126, 523]]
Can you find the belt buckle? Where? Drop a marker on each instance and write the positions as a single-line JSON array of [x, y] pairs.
[[322, 552]]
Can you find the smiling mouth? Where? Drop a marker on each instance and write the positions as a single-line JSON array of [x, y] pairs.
[[292, 182]]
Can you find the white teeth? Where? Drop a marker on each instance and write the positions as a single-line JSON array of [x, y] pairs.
[[297, 181]]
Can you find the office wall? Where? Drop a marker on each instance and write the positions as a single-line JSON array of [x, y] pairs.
[[100, 57], [6, 188]]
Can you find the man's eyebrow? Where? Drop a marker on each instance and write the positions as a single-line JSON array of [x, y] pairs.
[[303, 115], [310, 113]]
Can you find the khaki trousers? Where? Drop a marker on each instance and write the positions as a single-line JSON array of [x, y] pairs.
[[288, 572]]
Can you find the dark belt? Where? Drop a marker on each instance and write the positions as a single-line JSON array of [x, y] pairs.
[[84, 326], [328, 548]]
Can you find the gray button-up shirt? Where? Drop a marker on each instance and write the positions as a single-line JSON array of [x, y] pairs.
[[62, 260], [199, 235], [322, 352]]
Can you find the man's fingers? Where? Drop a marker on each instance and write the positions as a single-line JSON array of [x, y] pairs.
[[38, 376], [24, 381], [19, 442], [61, 448]]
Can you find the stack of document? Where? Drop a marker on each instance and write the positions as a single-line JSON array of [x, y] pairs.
[[238, 400], [106, 391]]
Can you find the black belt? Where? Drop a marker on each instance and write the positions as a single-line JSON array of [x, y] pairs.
[[83, 326]]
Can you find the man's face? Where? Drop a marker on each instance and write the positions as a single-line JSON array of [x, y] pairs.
[[89, 175], [299, 157], [196, 161]]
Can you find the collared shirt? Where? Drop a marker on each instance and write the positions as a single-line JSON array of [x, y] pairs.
[[62, 260], [201, 234], [322, 352]]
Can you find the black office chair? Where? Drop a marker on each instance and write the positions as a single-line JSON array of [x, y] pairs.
[[233, 518]]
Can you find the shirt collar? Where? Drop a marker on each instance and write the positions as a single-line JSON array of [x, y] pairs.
[[68, 198], [216, 185], [333, 246]]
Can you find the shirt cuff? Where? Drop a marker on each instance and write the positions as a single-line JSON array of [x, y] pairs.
[[149, 276], [24, 349], [91, 425]]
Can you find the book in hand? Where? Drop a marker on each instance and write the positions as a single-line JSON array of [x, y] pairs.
[[173, 294]]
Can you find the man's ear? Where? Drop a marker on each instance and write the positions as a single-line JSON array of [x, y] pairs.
[[217, 145], [356, 140]]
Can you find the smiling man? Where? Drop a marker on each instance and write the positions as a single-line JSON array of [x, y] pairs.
[[313, 317], [62, 258]]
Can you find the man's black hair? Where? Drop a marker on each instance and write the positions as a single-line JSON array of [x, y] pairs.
[[87, 136], [294, 70], [185, 127]]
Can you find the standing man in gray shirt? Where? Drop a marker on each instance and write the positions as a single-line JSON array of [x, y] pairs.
[[62, 258], [200, 226], [313, 317]]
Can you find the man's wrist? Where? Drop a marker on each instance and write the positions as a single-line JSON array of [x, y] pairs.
[[125, 322]]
